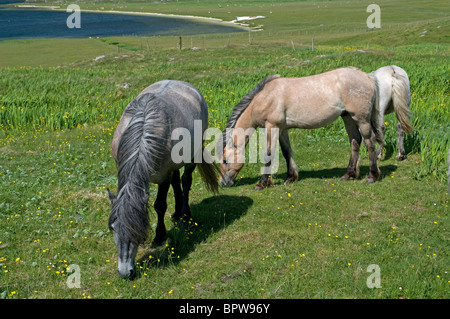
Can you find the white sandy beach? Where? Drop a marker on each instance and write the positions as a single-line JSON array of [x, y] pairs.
[[235, 22]]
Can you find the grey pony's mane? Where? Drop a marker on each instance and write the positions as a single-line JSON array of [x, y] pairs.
[[140, 149], [243, 104]]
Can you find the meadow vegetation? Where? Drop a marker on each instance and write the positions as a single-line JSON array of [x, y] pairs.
[[311, 239]]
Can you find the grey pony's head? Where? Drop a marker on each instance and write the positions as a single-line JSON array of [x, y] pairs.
[[128, 232]]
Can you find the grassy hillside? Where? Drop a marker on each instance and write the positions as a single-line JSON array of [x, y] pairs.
[[400, 18], [312, 239], [339, 23]]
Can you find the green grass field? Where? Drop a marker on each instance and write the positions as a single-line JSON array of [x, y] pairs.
[[312, 239]]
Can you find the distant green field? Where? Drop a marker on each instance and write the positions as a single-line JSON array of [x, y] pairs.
[[286, 23], [311, 239]]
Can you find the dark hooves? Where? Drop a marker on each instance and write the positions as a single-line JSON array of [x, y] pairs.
[[176, 215], [158, 242], [186, 225], [261, 186], [290, 180], [182, 221]]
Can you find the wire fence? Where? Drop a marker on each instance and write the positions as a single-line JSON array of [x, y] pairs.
[[294, 39]]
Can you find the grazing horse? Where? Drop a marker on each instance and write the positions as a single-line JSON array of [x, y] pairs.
[[306, 102], [142, 146], [395, 96]]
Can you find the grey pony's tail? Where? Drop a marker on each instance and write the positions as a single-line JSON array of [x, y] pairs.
[[208, 172]]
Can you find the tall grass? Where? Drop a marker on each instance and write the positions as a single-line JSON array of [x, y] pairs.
[[55, 99]]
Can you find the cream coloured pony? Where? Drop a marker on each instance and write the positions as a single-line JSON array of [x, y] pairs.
[[307, 103]]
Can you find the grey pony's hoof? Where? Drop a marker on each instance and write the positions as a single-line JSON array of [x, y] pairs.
[[158, 242]]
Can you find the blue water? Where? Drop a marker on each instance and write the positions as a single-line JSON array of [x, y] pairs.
[[30, 23]]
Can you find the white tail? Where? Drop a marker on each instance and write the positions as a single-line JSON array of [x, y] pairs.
[[401, 98]]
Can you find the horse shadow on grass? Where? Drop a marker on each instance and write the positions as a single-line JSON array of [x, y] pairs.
[[332, 173], [338, 172], [208, 217]]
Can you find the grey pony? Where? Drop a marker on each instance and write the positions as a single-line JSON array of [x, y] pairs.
[[141, 147]]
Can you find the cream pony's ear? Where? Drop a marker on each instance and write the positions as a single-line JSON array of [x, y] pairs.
[[112, 197]]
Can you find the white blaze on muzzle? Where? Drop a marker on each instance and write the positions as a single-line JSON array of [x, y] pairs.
[[126, 260]]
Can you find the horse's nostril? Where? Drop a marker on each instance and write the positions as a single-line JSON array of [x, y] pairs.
[[227, 183], [127, 275]]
